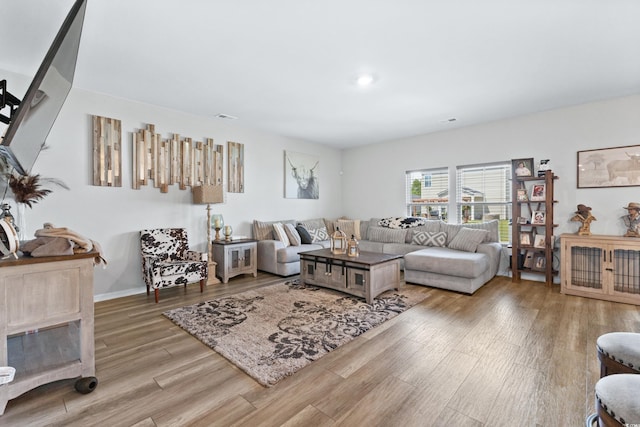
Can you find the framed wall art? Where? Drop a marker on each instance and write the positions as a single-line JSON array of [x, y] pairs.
[[609, 167], [235, 167], [537, 193], [301, 176], [522, 167]]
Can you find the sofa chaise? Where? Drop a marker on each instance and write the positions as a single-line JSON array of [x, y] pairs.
[[457, 257]]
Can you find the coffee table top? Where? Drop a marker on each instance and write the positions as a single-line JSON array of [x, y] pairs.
[[367, 258]]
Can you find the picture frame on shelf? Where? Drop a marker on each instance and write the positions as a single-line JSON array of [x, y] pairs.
[[522, 220], [528, 259], [539, 241], [538, 217], [608, 167], [521, 195], [526, 238], [522, 168], [539, 262], [538, 193]]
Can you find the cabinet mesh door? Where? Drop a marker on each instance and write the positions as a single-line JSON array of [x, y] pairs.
[[586, 267], [626, 271]]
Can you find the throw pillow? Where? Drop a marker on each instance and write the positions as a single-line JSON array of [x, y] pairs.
[[318, 234], [292, 234], [281, 235], [402, 222], [429, 238], [468, 239], [386, 235], [305, 237], [350, 227]]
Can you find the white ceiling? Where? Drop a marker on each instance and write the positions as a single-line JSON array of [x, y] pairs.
[[287, 66]]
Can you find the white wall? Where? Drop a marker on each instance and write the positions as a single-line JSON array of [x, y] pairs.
[[113, 216], [556, 135]]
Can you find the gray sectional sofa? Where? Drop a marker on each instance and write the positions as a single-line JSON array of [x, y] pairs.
[[457, 257]]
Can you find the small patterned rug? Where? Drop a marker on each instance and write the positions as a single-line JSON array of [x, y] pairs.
[[274, 331]]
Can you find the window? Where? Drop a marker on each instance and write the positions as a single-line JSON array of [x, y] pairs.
[[483, 193], [427, 193]]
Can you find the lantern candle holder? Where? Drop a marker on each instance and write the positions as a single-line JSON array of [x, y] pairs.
[[338, 242]]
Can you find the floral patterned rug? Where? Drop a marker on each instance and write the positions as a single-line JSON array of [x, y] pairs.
[[274, 331]]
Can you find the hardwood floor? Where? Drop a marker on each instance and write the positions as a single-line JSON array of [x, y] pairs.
[[510, 355]]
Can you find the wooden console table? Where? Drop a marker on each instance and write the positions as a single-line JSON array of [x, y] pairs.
[[367, 275], [46, 322]]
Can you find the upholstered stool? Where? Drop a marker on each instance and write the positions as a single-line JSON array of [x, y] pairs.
[[617, 401], [619, 353]]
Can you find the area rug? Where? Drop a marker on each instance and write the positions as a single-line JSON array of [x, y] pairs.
[[274, 331]]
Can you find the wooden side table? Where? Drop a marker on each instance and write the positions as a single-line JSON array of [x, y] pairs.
[[235, 257]]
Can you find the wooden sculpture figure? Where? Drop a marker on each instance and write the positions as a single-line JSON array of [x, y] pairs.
[[583, 214], [632, 220]]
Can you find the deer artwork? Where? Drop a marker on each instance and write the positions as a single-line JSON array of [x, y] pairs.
[[629, 169], [306, 179]]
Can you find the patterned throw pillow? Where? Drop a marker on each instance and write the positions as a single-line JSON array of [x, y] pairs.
[[292, 234], [429, 238], [402, 222], [318, 234], [468, 239], [281, 235]]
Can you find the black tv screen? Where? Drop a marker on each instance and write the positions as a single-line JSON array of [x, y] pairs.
[[38, 110]]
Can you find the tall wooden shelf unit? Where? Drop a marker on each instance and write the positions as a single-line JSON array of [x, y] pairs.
[[525, 209]]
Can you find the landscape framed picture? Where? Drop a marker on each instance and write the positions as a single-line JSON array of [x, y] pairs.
[[609, 167], [538, 192], [522, 167]]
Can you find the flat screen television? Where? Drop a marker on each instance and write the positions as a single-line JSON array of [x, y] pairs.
[[30, 124]]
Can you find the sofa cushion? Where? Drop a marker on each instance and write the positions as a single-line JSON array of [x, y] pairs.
[[386, 235], [305, 237], [263, 230], [350, 227], [292, 234], [468, 239], [491, 226], [429, 238], [280, 234], [447, 261], [401, 222]]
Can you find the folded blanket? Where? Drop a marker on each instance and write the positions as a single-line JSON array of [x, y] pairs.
[[52, 241]]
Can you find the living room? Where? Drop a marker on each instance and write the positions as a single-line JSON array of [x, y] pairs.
[[362, 181]]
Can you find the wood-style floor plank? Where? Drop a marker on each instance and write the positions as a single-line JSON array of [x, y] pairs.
[[511, 354]]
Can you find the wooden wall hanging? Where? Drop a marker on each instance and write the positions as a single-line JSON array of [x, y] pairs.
[[107, 152], [235, 164], [174, 161]]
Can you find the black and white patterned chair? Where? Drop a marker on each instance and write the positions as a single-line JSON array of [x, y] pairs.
[[167, 260]]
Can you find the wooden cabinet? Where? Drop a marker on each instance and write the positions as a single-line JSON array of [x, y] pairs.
[[533, 227], [235, 257], [46, 321], [602, 267]]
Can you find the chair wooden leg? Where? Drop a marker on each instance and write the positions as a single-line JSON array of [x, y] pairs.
[[156, 291], [147, 290], [202, 283]]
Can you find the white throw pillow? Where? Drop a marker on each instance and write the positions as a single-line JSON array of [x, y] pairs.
[[468, 239], [281, 235], [292, 234]]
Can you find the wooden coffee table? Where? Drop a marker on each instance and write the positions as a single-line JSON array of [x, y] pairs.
[[367, 275]]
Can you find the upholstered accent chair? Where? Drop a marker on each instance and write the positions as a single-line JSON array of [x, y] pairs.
[[167, 260]]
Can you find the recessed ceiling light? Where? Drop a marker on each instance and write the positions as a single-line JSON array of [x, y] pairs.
[[365, 79], [225, 116]]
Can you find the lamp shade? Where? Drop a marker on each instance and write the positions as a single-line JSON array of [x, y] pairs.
[[203, 194]]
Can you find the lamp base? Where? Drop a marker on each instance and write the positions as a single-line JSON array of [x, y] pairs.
[[211, 278]]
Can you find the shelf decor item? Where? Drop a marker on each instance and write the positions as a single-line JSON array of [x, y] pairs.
[[353, 249], [583, 214], [522, 195], [543, 167], [217, 223], [227, 232], [538, 193], [538, 217], [522, 167]]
